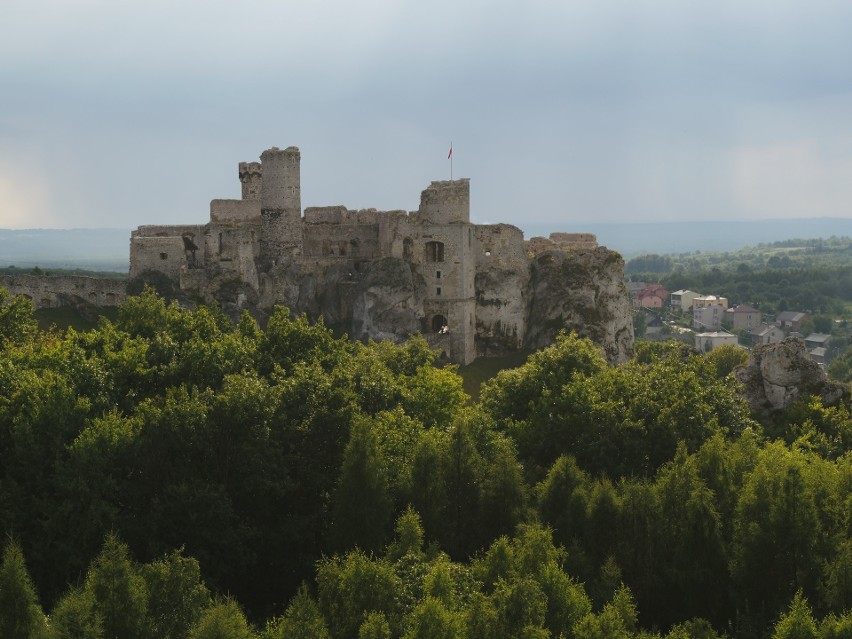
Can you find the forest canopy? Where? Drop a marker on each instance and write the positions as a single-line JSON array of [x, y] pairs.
[[174, 474]]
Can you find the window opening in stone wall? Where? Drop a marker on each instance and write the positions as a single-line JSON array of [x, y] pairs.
[[439, 324], [438, 291], [220, 243], [164, 256], [437, 275], [434, 251]]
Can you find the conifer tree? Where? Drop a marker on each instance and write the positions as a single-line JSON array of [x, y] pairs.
[[20, 613], [75, 617], [362, 507], [119, 592]]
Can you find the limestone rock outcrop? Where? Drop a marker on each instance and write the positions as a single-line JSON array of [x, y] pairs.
[[386, 302], [776, 375], [582, 290]]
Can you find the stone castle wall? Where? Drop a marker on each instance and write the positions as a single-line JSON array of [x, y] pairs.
[[47, 291]]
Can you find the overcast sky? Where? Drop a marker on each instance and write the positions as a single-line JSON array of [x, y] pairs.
[[121, 113]]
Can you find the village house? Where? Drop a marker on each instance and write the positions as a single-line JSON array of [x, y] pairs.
[[652, 296], [706, 342], [700, 301], [708, 318], [682, 299], [817, 340], [743, 317], [766, 334], [790, 320]]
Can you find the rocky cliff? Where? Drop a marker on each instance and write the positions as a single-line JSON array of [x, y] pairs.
[[581, 290], [776, 375]]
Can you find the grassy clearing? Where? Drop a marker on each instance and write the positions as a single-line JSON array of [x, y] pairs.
[[484, 368], [64, 317]]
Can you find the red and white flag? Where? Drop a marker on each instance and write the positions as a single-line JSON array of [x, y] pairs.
[[450, 154]]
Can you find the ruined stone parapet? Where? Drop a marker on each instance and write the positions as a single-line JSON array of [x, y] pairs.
[[235, 211], [47, 291], [574, 240], [562, 242], [446, 202]]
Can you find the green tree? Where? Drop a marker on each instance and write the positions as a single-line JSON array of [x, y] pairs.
[[224, 620], [375, 626], [301, 620], [20, 613], [776, 526], [351, 586], [119, 592], [409, 536], [176, 595], [17, 319], [726, 358], [362, 509], [462, 472], [432, 620], [512, 394], [75, 617], [426, 486], [798, 622]]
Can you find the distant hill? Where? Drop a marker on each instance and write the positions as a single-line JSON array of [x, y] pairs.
[[686, 237], [92, 249]]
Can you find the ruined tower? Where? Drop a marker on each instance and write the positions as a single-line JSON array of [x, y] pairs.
[[251, 174], [446, 202], [280, 206], [449, 264]]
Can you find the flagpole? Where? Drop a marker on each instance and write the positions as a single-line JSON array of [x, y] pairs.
[[451, 160]]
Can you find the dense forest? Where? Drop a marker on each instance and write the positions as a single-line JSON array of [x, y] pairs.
[[171, 475]]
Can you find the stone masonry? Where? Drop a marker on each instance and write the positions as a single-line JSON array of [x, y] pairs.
[[469, 289]]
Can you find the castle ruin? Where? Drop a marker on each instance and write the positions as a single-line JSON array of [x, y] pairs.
[[470, 289]]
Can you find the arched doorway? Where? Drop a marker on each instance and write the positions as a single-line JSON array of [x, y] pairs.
[[439, 324]]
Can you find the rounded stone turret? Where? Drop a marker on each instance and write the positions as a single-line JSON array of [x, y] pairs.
[[280, 205], [446, 202]]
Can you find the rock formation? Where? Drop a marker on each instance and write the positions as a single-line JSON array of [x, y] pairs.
[[776, 375]]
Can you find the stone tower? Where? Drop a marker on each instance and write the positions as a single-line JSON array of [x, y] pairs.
[[251, 179], [280, 206], [449, 265], [446, 202]]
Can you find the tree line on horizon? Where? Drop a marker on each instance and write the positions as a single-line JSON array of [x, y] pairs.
[[172, 474]]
